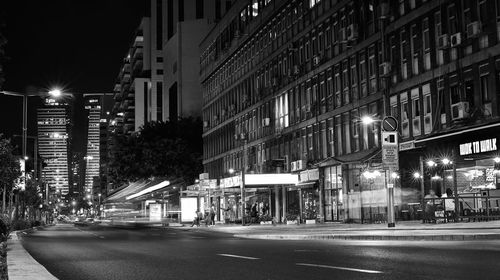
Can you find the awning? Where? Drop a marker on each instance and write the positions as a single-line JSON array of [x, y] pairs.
[[351, 158], [137, 189]]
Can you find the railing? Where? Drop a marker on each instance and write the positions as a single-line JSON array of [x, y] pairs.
[[471, 207]]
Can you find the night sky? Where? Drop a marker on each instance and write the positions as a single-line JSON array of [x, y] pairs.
[[75, 45]]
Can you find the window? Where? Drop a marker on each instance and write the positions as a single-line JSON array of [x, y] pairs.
[[403, 46], [454, 94], [355, 130], [339, 136], [414, 49], [415, 106], [159, 71], [159, 59], [347, 132], [404, 115], [484, 88], [426, 92], [331, 138], [426, 44]]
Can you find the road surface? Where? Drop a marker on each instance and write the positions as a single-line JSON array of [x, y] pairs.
[[70, 252]]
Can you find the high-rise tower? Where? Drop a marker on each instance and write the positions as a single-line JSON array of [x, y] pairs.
[[53, 134]]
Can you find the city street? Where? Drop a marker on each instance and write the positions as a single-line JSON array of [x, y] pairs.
[[70, 252]]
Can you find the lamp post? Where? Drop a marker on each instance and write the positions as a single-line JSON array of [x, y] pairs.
[[390, 159], [54, 92], [242, 137]]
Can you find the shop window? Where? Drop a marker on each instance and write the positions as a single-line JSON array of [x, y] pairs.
[[484, 88]]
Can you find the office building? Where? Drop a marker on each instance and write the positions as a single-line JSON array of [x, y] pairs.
[[53, 142], [286, 84]]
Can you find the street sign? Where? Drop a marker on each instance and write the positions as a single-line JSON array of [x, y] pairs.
[[389, 124], [390, 150]]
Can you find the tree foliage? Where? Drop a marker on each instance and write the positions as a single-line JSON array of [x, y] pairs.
[[9, 164], [168, 149]]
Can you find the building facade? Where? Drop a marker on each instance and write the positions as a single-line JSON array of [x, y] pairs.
[[53, 125], [286, 83], [187, 23]]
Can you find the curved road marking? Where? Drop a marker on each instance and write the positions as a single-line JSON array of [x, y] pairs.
[[239, 257], [341, 268]]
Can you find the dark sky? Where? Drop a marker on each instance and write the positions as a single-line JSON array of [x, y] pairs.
[[76, 45]]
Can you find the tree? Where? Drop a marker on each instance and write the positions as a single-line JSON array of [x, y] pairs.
[[160, 149], [9, 168]]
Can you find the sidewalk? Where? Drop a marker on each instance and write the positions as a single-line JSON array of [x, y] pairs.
[[409, 230], [20, 263]]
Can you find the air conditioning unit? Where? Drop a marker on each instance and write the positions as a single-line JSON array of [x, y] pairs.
[[443, 41], [316, 59], [205, 123], [460, 110], [293, 166], [456, 39], [300, 164], [266, 122], [352, 32], [473, 29], [296, 70], [384, 69]]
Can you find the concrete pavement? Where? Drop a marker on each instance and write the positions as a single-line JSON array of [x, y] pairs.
[[21, 265], [409, 230]]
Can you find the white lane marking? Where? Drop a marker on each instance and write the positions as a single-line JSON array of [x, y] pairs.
[[341, 268], [239, 257]]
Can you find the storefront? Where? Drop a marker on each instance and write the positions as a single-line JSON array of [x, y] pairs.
[[304, 200], [464, 163], [334, 193]]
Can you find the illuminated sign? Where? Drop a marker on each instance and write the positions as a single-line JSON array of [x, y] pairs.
[[477, 147]]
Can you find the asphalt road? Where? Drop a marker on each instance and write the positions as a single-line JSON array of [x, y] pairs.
[[74, 253]]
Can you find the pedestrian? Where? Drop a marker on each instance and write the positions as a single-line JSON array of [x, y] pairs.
[[253, 213], [212, 215], [196, 220], [265, 209]]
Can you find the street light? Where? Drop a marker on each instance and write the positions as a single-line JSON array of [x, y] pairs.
[[54, 93]]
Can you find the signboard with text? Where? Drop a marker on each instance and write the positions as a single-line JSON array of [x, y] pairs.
[[390, 150], [477, 147]]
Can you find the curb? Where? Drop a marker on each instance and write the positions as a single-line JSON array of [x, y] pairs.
[[441, 237], [21, 265]]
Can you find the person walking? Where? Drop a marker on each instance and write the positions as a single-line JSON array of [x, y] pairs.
[[212, 215]]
